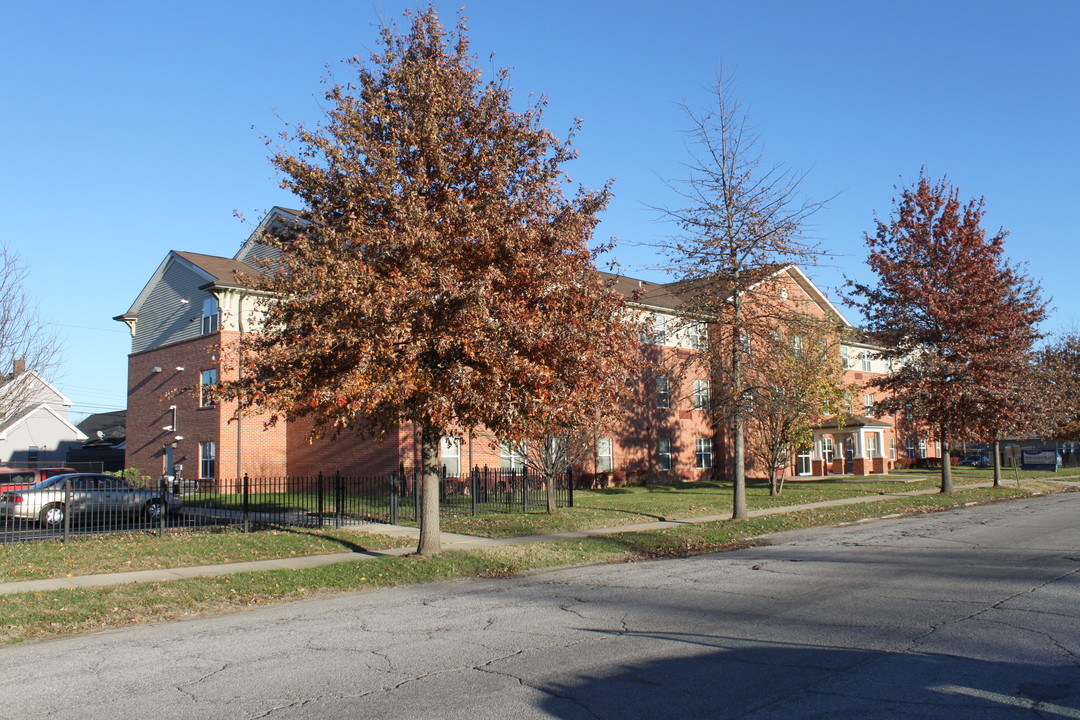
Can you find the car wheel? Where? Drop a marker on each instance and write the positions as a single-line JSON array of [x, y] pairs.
[[52, 515], [153, 509]]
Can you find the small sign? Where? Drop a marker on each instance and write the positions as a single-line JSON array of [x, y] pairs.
[[1039, 459]]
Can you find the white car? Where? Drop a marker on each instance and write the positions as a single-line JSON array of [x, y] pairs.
[[88, 497]]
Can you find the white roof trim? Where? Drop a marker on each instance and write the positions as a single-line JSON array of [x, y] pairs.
[[79, 434], [275, 213], [64, 399], [819, 293]]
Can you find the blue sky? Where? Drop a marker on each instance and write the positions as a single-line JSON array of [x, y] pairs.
[[136, 128]]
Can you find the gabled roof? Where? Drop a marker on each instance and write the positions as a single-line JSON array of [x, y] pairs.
[[30, 412], [276, 214], [32, 376], [113, 425]]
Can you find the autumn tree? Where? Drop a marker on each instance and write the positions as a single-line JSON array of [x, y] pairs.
[[437, 274], [1057, 391], [797, 379], [26, 343], [950, 311], [739, 221]]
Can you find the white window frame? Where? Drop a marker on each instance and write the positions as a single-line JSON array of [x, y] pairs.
[[511, 457], [605, 455], [211, 316], [450, 455], [701, 394], [703, 452], [698, 335], [207, 460], [663, 454], [868, 404], [207, 379], [663, 392], [867, 362]]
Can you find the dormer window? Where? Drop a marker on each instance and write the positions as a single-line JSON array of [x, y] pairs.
[[210, 316]]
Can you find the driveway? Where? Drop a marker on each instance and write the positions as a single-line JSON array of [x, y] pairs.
[[974, 613]]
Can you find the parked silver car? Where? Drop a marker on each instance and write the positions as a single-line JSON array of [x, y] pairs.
[[87, 496]]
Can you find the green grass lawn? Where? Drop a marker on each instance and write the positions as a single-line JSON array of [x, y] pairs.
[[43, 614]]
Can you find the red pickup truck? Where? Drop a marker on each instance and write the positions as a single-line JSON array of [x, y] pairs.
[[19, 478]]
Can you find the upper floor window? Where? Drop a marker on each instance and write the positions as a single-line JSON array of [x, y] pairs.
[[699, 336], [867, 365], [211, 315], [797, 343], [207, 380], [701, 394], [868, 404], [657, 332], [663, 392], [845, 357]]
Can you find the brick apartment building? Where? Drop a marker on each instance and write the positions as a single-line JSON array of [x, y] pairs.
[[195, 304]]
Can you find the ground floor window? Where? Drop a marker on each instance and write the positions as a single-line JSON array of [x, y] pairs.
[[207, 460], [450, 455], [511, 456], [703, 453], [605, 461], [663, 453]]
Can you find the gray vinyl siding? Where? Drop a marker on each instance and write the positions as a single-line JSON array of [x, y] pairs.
[[256, 254], [163, 318]]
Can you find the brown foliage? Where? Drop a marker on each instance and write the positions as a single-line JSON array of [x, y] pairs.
[[437, 273], [955, 317]]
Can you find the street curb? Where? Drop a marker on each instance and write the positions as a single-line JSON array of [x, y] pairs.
[[449, 541]]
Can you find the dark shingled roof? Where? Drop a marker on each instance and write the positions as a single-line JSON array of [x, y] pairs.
[[224, 270], [852, 421]]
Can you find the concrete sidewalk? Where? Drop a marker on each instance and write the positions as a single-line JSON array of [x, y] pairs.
[[450, 541]]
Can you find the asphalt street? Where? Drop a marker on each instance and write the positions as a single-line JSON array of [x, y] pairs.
[[966, 614]]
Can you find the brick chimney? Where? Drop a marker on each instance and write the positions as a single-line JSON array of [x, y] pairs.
[[18, 366]]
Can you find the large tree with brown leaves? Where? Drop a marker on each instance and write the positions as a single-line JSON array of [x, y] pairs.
[[437, 275], [956, 318]]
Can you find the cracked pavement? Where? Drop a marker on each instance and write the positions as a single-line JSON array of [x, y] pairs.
[[972, 613]]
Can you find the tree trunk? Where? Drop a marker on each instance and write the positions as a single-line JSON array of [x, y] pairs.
[[549, 487], [738, 503], [430, 534], [995, 447], [946, 462]]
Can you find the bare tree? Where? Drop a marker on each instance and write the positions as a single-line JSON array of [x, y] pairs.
[[25, 342], [741, 220]]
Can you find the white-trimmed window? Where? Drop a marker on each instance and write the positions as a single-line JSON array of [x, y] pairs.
[[211, 315], [699, 335], [605, 458], [868, 404], [701, 394], [207, 460], [450, 455], [703, 453], [511, 457], [744, 340], [663, 454], [872, 446], [657, 333], [892, 448], [663, 392], [867, 363], [922, 448], [845, 357], [797, 343], [207, 380]]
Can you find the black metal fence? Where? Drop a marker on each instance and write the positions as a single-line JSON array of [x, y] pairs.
[[91, 504]]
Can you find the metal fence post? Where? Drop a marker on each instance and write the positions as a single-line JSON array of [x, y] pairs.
[[67, 510], [569, 488], [338, 497], [416, 496], [393, 499], [319, 490], [474, 488], [164, 506], [525, 490], [247, 524]]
